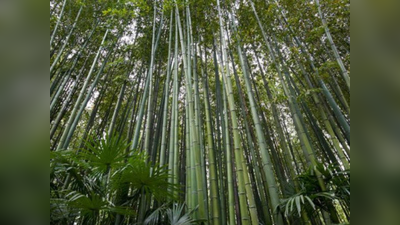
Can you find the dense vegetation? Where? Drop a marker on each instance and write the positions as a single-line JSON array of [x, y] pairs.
[[200, 112]]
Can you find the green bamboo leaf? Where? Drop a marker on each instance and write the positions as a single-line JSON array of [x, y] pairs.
[[310, 201], [298, 205], [292, 201], [287, 208]]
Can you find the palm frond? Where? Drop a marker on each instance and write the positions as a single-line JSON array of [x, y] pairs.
[[298, 200]]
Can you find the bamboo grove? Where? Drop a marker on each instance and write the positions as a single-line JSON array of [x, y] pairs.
[[199, 112]]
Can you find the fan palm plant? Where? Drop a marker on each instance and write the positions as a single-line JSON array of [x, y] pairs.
[[171, 213], [96, 174], [104, 155], [311, 197]]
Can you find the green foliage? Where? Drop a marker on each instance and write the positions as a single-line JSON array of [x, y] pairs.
[[87, 205], [152, 179], [90, 192], [316, 33], [306, 94], [298, 198], [170, 214], [103, 155], [104, 181], [311, 197]]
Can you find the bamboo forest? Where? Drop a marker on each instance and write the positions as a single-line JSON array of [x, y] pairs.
[[199, 112]]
